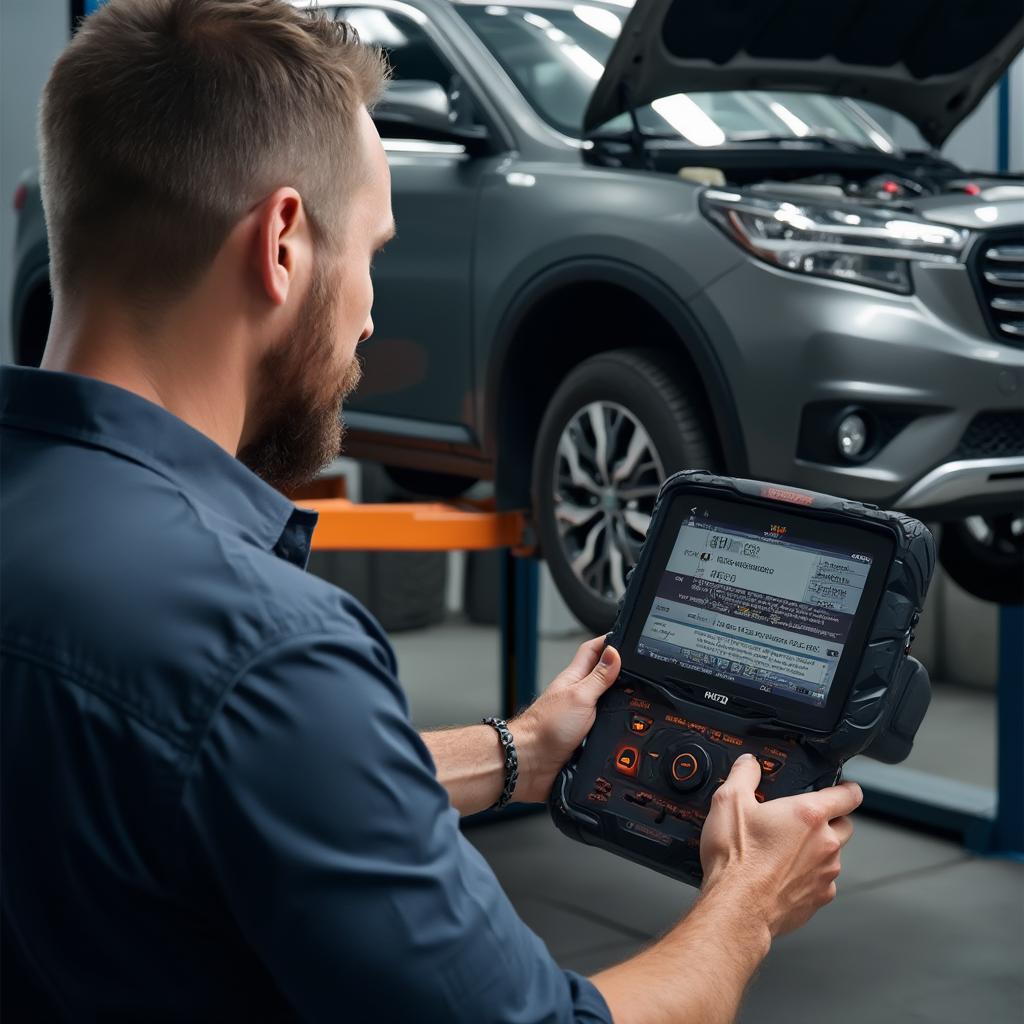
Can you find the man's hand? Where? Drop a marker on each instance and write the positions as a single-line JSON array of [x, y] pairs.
[[470, 761], [767, 868], [554, 725], [782, 855]]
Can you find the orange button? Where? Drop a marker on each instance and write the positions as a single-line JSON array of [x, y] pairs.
[[769, 765], [627, 760], [639, 724], [684, 767]]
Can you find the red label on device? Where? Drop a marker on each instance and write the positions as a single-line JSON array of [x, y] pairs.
[[781, 494]]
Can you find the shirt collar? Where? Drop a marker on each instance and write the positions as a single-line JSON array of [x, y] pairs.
[[92, 411]]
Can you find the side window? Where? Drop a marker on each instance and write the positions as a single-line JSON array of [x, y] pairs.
[[410, 51]]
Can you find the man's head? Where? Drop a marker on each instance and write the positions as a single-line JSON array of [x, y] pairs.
[[193, 143]]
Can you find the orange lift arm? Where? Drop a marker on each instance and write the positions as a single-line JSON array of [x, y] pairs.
[[414, 526]]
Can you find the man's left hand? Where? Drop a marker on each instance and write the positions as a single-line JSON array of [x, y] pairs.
[[554, 725]]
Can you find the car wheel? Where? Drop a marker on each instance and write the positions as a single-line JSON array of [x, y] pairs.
[[616, 427], [985, 556]]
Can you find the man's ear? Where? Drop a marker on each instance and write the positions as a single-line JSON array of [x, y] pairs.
[[283, 249]]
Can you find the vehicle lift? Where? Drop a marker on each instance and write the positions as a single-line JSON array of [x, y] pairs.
[[987, 821]]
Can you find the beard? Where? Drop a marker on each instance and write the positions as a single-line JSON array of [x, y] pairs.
[[301, 395]]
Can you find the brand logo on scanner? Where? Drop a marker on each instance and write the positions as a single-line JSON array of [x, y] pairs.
[[720, 697], [784, 494]]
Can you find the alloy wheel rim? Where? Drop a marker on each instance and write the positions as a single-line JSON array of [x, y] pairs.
[[607, 475], [1002, 536]]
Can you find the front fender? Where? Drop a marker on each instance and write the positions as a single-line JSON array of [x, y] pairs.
[[664, 300]]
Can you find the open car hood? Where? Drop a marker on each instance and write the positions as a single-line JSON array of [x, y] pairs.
[[930, 60]]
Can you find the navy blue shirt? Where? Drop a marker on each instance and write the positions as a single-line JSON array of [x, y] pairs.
[[214, 805]]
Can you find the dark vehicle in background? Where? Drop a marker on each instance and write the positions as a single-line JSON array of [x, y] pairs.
[[678, 235]]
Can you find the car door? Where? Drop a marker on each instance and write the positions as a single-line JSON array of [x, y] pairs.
[[418, 379]]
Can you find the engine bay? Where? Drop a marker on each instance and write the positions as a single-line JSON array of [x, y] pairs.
[[814, 174]]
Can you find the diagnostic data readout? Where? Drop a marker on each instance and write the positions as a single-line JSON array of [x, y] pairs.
[[763, 610]]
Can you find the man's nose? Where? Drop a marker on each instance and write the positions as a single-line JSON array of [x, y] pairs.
[[367, 329]]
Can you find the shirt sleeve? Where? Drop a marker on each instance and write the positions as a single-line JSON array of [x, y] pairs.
[[315, 806]]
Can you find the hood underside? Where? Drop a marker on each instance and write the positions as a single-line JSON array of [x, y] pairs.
[[930, 60]]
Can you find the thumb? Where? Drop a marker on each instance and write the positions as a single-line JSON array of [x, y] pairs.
[[745, 775], [587, 655], [602, 675]]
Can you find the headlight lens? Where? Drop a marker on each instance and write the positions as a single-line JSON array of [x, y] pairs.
[[861, 245]]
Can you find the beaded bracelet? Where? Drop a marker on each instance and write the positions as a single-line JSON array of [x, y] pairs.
[[511, 760]]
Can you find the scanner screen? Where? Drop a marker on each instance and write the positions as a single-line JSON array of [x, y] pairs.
[[763, 609]]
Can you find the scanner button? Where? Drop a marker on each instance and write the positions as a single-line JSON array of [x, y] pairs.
[[640, 725], [769, 765], [688, 766], [684, 767], [627, 760]]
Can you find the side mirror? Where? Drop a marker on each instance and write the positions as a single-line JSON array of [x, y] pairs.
[[413, 109]]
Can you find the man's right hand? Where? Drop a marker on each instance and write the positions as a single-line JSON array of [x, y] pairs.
[[767, 868], [782, 855]]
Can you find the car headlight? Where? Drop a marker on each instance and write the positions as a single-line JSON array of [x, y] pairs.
[[862, 245]]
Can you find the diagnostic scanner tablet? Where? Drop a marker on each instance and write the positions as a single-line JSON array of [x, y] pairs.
[[759, 619]]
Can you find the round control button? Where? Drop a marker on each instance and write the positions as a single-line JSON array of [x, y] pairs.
[[687, 766], [684, 767]]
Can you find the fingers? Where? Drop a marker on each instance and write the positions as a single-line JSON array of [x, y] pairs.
[[744, 777], [837, 801], [604, 673]]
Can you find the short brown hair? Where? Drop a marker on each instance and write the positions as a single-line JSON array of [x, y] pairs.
[[164, 121]]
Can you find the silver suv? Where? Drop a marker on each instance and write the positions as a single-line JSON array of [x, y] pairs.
[[634, 239]]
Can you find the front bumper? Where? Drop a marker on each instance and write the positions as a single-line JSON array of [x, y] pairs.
[[960, 483], [788, 341]]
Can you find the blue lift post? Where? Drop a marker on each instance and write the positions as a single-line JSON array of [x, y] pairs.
[[1007, 833], [987, 821], [520, 594]]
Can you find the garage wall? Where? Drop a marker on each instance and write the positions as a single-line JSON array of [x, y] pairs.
[[32, 34], [974, 145]]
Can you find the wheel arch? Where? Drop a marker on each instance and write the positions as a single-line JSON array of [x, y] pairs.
[[576, 310]]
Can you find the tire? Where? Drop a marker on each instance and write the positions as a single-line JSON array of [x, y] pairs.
[[403, 589], [985, 556], [578, 516]]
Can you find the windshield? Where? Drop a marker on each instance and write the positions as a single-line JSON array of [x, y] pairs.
[[556, 53]]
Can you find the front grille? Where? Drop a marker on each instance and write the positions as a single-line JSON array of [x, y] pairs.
[[993, 435], [999, 275]]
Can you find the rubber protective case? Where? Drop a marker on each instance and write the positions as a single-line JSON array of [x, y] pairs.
[[614, 793]]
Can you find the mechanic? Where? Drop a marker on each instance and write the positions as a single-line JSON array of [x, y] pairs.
[[215, 806]]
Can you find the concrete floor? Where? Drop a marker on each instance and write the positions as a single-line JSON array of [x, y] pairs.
[[921, 931]]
